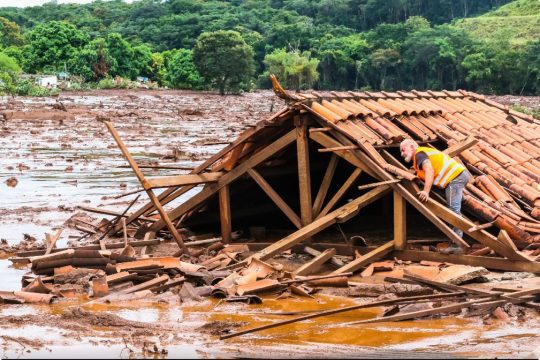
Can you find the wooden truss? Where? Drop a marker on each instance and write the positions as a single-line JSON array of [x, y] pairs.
[[252, 149]]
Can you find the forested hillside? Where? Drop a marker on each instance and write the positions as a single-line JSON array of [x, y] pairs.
[[322, 44]]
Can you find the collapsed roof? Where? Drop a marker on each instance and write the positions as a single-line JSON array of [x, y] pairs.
[[499, 146]]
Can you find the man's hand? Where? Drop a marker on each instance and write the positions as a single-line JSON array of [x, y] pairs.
[[423, 195]]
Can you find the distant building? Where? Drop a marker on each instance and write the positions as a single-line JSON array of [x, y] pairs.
[[47, 80]]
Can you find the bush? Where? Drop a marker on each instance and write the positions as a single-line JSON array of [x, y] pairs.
[[106, 84], [74, 87], [27, 88], [523, 109]]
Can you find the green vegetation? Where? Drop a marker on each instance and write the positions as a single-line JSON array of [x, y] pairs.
[[487, 46], [518, 22]]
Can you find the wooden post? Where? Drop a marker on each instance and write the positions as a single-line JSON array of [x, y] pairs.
[[304, 177], [400, 217], [225, 214], [328, 176]]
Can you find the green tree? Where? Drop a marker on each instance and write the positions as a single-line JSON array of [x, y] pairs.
[[181, 73], [224, 58], [295, 69], [383, 59], [142, 61], [6, 84], [52, 45], [123, 54], [10, 33], [9, 64], [94, 62]]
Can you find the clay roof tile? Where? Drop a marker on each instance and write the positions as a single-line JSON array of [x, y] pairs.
[[343, 114], [406, 94], [374, 106], [325, 113], [422, 94]]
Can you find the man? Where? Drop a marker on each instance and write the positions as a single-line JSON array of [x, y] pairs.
[[437, 168]]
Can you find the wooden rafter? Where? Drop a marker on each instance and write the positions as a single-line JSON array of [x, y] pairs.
[[304, 174], [325, 185], [234, 174], [275, 197], [341, 192], [225, 214]]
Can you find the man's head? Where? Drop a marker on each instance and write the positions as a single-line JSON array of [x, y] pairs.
[[408, 149]]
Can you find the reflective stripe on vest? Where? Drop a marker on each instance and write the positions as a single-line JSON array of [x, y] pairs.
[[445, 168]]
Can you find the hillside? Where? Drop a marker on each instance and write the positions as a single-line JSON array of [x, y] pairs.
[[518, 21]]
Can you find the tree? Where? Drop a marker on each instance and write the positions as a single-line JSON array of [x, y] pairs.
[[94, 62], [142, 58], [295, 69], [383, 59], [181, 72], [122, 52], [9, 64], [52, 45], [224, 58], [10, 33]]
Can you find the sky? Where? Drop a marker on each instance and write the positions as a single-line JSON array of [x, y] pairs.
[[24, 3]]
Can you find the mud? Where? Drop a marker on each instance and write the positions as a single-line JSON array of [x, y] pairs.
[[64, 159]]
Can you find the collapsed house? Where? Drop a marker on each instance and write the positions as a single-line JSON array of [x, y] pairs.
[[303, 144]]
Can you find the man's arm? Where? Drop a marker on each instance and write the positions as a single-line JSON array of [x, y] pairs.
[[430, 174]]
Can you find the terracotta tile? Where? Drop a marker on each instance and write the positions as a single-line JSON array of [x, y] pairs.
[[376, 95], [409, 104], [308, 96], [518, 152], [502, 136], [496, 154], [491, 189], [456, 94], [423, 94], [395, 107], [325, 113], [346, 108], [405, 94], [413, 129], [374, 106], [381, 130], [470, 157], [323, 94], [366, 111], [362, 128], [437, 93], [486, 159], [353, 129], [511, 154], [514, 171], [432, 106], [529, 173], [496, 104], [454, 105], [391, 95], [528, 148], [443, 106], [341, 94], [422, 127], [391, 127], [342, 113], [361, 95]]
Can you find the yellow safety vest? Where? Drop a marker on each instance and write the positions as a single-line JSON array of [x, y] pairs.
[[446, 169]]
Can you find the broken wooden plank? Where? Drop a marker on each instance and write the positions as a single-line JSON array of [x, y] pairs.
[[164, 217], [182, 180], [505, 239], [370, 186], [366, 259], [275, 197], [481, 227], [114, 213], [225, 214], [52, 242], [147, 285], [334, 261], [325, 185], [461, 146], [315, 264]]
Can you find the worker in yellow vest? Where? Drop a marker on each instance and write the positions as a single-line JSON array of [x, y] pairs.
[[437, 168]]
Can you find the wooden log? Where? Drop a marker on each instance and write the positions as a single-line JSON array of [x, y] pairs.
[[366, 259], [182, 180], [315, 264], [325, 185], [275, 197], [225, 214], [147, 285], [231, 176]]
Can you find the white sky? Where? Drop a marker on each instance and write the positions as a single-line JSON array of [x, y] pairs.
[[24, 3]]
